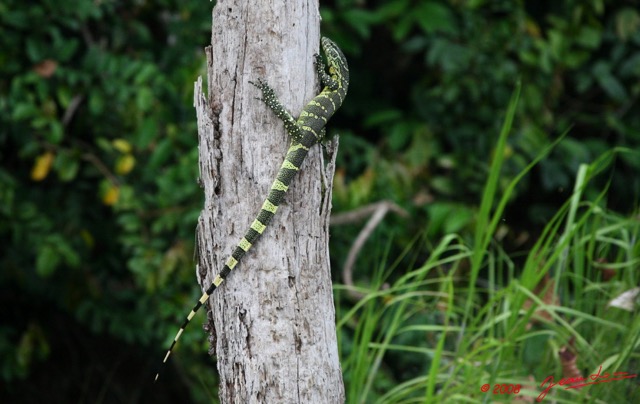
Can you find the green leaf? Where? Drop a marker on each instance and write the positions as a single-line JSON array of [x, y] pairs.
[[459, 217], [557, 43], [161, 154], [63, 95], [609, 83], [434, 17], [96, 102], [67, 49], [15, 18], [104, 144], [24, 111], [71, 257], [34, 48], [55, 133], [400, 135], [391, 9], [360, 21], [449, 56], [47, 260], [145, 74], [448, 218], [403, 27], [66, 165], [576, 58], [631, 66], [381, 117], [589, 37], [147, 133], [144, 98]]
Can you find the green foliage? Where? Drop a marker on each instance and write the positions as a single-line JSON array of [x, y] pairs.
[[467, 317], [430, 80], [99, 200], [98, 193]]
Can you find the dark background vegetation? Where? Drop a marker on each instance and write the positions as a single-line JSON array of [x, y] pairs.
[[98, 160]]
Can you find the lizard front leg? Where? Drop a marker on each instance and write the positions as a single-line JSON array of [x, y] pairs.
[[325, 78], [269, 97]]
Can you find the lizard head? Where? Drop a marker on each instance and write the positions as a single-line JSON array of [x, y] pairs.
[[338, 68]]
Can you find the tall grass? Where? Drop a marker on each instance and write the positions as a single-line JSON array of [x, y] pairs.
[[472, 315]]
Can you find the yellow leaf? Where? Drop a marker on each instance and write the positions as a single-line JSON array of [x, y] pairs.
[[42, 166], [532, 28], [87, 237], [125, 164], [122, 145], [111, 196]]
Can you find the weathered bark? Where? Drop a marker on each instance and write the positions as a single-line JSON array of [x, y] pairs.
[[274, 316]]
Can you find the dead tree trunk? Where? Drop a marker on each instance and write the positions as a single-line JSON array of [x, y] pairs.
[[274, 316]]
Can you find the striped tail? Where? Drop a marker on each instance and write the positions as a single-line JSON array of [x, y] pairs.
[[290, 166], [305, 132]]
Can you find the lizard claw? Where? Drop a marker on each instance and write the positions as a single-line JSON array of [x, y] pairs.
[[260, 83]]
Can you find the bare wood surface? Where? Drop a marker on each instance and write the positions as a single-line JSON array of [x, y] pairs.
[[274, 316]]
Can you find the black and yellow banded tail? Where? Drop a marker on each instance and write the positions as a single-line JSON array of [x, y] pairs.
[[305, 132]]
